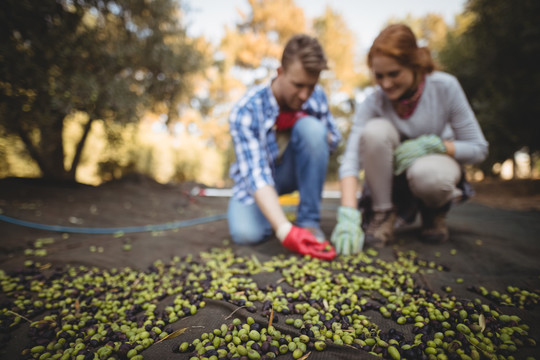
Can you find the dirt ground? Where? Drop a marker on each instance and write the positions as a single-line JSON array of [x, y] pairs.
[[140, 201], [520, 195], [495, 234]]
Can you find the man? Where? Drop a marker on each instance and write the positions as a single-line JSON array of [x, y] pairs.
[[283, 133]]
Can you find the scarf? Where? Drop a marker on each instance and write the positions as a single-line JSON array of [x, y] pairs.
[[405, 108], [286, 119]]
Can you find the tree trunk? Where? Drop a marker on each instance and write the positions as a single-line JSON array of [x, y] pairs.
[[30, 147], [80, 148], [52, 152], [48, 153]]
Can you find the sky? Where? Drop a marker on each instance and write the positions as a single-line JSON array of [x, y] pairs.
[[364, 17]]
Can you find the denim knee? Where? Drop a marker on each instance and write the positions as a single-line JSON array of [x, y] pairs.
[[247, 225], [247, 235], [311, 132]]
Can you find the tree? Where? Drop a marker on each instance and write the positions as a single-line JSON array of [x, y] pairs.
[[338, 41], [112, 60], [495, 58], [259, 38]]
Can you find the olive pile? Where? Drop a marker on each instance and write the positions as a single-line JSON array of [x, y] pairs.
[[515, 296], [362, 302]]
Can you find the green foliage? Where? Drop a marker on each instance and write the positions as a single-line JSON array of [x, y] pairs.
[[112, 60], [496, 61]]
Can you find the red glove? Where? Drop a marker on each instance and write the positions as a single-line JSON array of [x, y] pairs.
[[302, 241]]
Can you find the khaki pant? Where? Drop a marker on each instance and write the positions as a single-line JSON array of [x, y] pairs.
[[431, 178]]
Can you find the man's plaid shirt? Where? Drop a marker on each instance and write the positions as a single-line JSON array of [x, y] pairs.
[[252, 129]]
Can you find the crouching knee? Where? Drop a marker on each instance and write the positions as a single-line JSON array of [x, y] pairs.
[[247, 235]]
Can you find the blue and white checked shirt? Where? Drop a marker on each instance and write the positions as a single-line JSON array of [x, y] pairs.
[[251, 125]]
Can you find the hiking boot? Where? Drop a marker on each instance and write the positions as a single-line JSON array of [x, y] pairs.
[[380, 230], [434, 229]]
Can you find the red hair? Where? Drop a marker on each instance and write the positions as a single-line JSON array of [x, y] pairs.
[[398, 42]]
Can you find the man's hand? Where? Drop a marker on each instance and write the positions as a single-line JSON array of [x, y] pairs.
[[303, 242], [348, 237], [410, 150]]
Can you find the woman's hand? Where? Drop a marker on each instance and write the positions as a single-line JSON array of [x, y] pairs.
[[410, 150], [348, 237]]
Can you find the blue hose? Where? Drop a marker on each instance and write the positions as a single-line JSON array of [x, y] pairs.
[[125, 230], [131, 229]]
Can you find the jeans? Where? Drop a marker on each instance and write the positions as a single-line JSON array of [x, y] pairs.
[[302, 167]]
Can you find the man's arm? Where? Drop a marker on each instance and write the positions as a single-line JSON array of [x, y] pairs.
[[267, 200], [253, 168], [292, 237]]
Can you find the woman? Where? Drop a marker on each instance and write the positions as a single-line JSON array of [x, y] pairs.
[[411, 137]]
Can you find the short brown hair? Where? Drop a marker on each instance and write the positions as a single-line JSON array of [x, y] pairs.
[[308, 50], [398, 41]]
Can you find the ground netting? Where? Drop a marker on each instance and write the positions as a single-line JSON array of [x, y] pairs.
[[474, 297], [220, 305]]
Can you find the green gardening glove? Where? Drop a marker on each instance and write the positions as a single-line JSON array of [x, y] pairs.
[[410, 150], [348, 237]]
